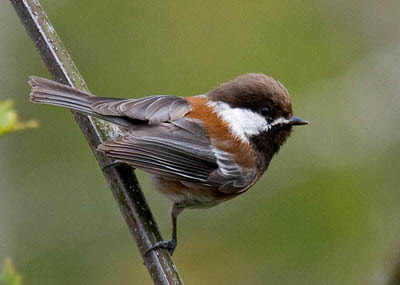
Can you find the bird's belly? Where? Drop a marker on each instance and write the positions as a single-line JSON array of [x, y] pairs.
[[189, 195]]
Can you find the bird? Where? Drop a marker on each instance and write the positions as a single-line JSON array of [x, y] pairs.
[[199, 151]]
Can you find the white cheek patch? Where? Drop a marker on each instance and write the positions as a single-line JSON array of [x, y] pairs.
[[280, 120], [242, 123]]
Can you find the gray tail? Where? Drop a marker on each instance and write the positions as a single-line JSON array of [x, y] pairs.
[[45, 91]]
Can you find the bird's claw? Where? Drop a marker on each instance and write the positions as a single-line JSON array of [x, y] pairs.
[[169, 245]]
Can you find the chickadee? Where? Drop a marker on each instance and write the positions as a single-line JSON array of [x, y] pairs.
[[201, 150]]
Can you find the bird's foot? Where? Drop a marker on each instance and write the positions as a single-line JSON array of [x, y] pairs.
[[169, 245]]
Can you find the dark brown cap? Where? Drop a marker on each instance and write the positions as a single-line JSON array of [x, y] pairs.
[[254, 91]]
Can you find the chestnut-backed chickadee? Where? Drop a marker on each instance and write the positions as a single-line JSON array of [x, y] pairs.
[[201, 150]]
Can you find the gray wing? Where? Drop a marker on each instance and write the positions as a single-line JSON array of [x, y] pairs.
[[154, 109], [180, 150], [230, 177]]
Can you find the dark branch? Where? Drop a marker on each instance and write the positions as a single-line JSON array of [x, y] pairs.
[[121, 179]]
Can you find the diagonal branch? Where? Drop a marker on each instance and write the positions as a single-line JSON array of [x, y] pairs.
[[121, 179]]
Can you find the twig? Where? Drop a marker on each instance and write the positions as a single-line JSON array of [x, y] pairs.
[[121, 179]]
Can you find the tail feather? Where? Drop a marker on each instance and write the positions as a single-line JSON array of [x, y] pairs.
[[45, 91]]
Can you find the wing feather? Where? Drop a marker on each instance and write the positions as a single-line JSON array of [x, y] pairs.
[[180, 150], [154, 109]]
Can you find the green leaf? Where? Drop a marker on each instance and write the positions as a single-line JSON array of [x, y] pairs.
[[9, 276], [9, 121]]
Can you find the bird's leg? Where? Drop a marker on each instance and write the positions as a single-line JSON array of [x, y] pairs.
[[171, 244]]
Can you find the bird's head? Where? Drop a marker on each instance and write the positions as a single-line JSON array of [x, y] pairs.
[[257, 109]]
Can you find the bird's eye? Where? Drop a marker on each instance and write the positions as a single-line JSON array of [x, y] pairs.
[[265, 112]]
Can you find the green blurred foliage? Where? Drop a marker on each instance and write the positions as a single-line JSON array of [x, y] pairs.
[[326, 212], [9, 276], [9, 121]]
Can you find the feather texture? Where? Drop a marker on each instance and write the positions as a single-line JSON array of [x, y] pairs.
[[181, 151], [153, 109]]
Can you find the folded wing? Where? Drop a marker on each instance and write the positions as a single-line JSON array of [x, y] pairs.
[[154, 109], [180, 150]]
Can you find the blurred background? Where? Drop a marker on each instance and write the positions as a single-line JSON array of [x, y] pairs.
[[326, 212]]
